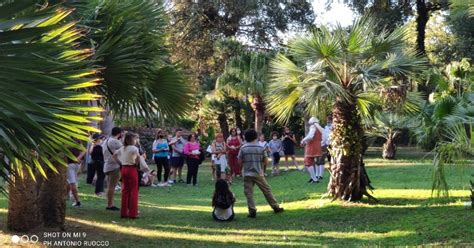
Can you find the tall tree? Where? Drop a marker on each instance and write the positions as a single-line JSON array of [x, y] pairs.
[[245, 76], [340, 65], [195, 27], [42, 107]]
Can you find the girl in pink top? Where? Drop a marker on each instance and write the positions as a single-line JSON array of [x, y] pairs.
[[192, 150]]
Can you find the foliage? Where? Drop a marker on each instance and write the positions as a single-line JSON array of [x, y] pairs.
[[196, 28], [333, 65], [128, 39], [461, 21], [43, 76]]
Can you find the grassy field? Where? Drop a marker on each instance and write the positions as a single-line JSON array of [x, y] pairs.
[[180, 216]]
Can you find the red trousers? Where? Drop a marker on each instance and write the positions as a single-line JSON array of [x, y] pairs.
[[129, 207]]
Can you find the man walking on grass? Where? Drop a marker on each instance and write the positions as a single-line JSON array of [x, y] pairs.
[[252, 159]]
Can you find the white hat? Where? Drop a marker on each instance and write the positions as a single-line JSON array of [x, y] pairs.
[[313, 120]]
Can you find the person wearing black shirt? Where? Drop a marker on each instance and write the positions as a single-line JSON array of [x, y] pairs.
[[96, 166]]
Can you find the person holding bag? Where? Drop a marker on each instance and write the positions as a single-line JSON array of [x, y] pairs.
[[128, 157], [192, 150]]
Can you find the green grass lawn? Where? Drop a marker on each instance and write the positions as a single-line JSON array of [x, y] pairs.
[[180, 216]]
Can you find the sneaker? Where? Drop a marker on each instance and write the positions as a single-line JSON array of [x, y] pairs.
[[278, 210], [165, 185], [310, 180], [77, 204], [181, 181], [174, 181], [170, 181], [154, 185], [320, 178], [252, 215], [113, 208], [317, 181], [100, 194], [118, 188]]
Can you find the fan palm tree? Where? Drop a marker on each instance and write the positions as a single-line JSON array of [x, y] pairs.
[[42, 102], [338, 66], [128, 39], [388, 126], [245, 76]]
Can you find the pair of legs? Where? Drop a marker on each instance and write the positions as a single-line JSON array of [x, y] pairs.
[[177, 163], [129, 207], [72, 170], [315, 167], [113, 178], [162, 164], [276, 163], [234, 165], [193, 167], [262, 184], [96, 167], [293, 158]]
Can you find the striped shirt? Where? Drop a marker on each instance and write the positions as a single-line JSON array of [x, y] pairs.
[[252, 156]]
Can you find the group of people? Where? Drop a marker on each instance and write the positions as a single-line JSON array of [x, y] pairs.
[[122, 159]]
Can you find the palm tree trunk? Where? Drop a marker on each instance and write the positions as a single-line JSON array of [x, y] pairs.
[[223, 124], [52, 198], [389, 149], [259, 108], [238, 114], [23, 214], [348, 178]]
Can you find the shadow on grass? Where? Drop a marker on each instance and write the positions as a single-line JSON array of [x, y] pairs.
[[354, 225]]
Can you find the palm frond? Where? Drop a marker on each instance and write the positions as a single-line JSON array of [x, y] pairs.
[[41, 111]]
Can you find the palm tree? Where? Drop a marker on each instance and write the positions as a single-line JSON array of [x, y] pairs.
[[245, 76], [338, 66], [128, 39], [42, 102], [388, 126]]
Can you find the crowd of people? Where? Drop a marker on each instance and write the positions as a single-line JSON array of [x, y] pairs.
[[122, 160]]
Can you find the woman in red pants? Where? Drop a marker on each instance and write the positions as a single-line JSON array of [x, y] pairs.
[[233, 145], [128, 158]]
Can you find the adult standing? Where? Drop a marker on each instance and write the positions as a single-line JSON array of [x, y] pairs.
[[111, 167], [160, 154], [96, 165], [289, 142], [233, 144], [326, 144], [192, 150], [177, 156], [313, 151], [128, 156]]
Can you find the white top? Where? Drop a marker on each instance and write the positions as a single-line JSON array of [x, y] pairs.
[[327, 131], [114, 144], [312, 132], [127, 155]]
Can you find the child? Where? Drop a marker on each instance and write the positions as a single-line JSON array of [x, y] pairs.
[[276, 147], [223, 202], [219, 150], [252, 158], [263, 143]]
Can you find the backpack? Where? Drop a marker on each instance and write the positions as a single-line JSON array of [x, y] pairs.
[[224, 201]]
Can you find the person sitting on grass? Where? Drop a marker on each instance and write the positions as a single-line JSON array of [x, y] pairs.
[[223, 202], [148, 179], [252, 158]]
